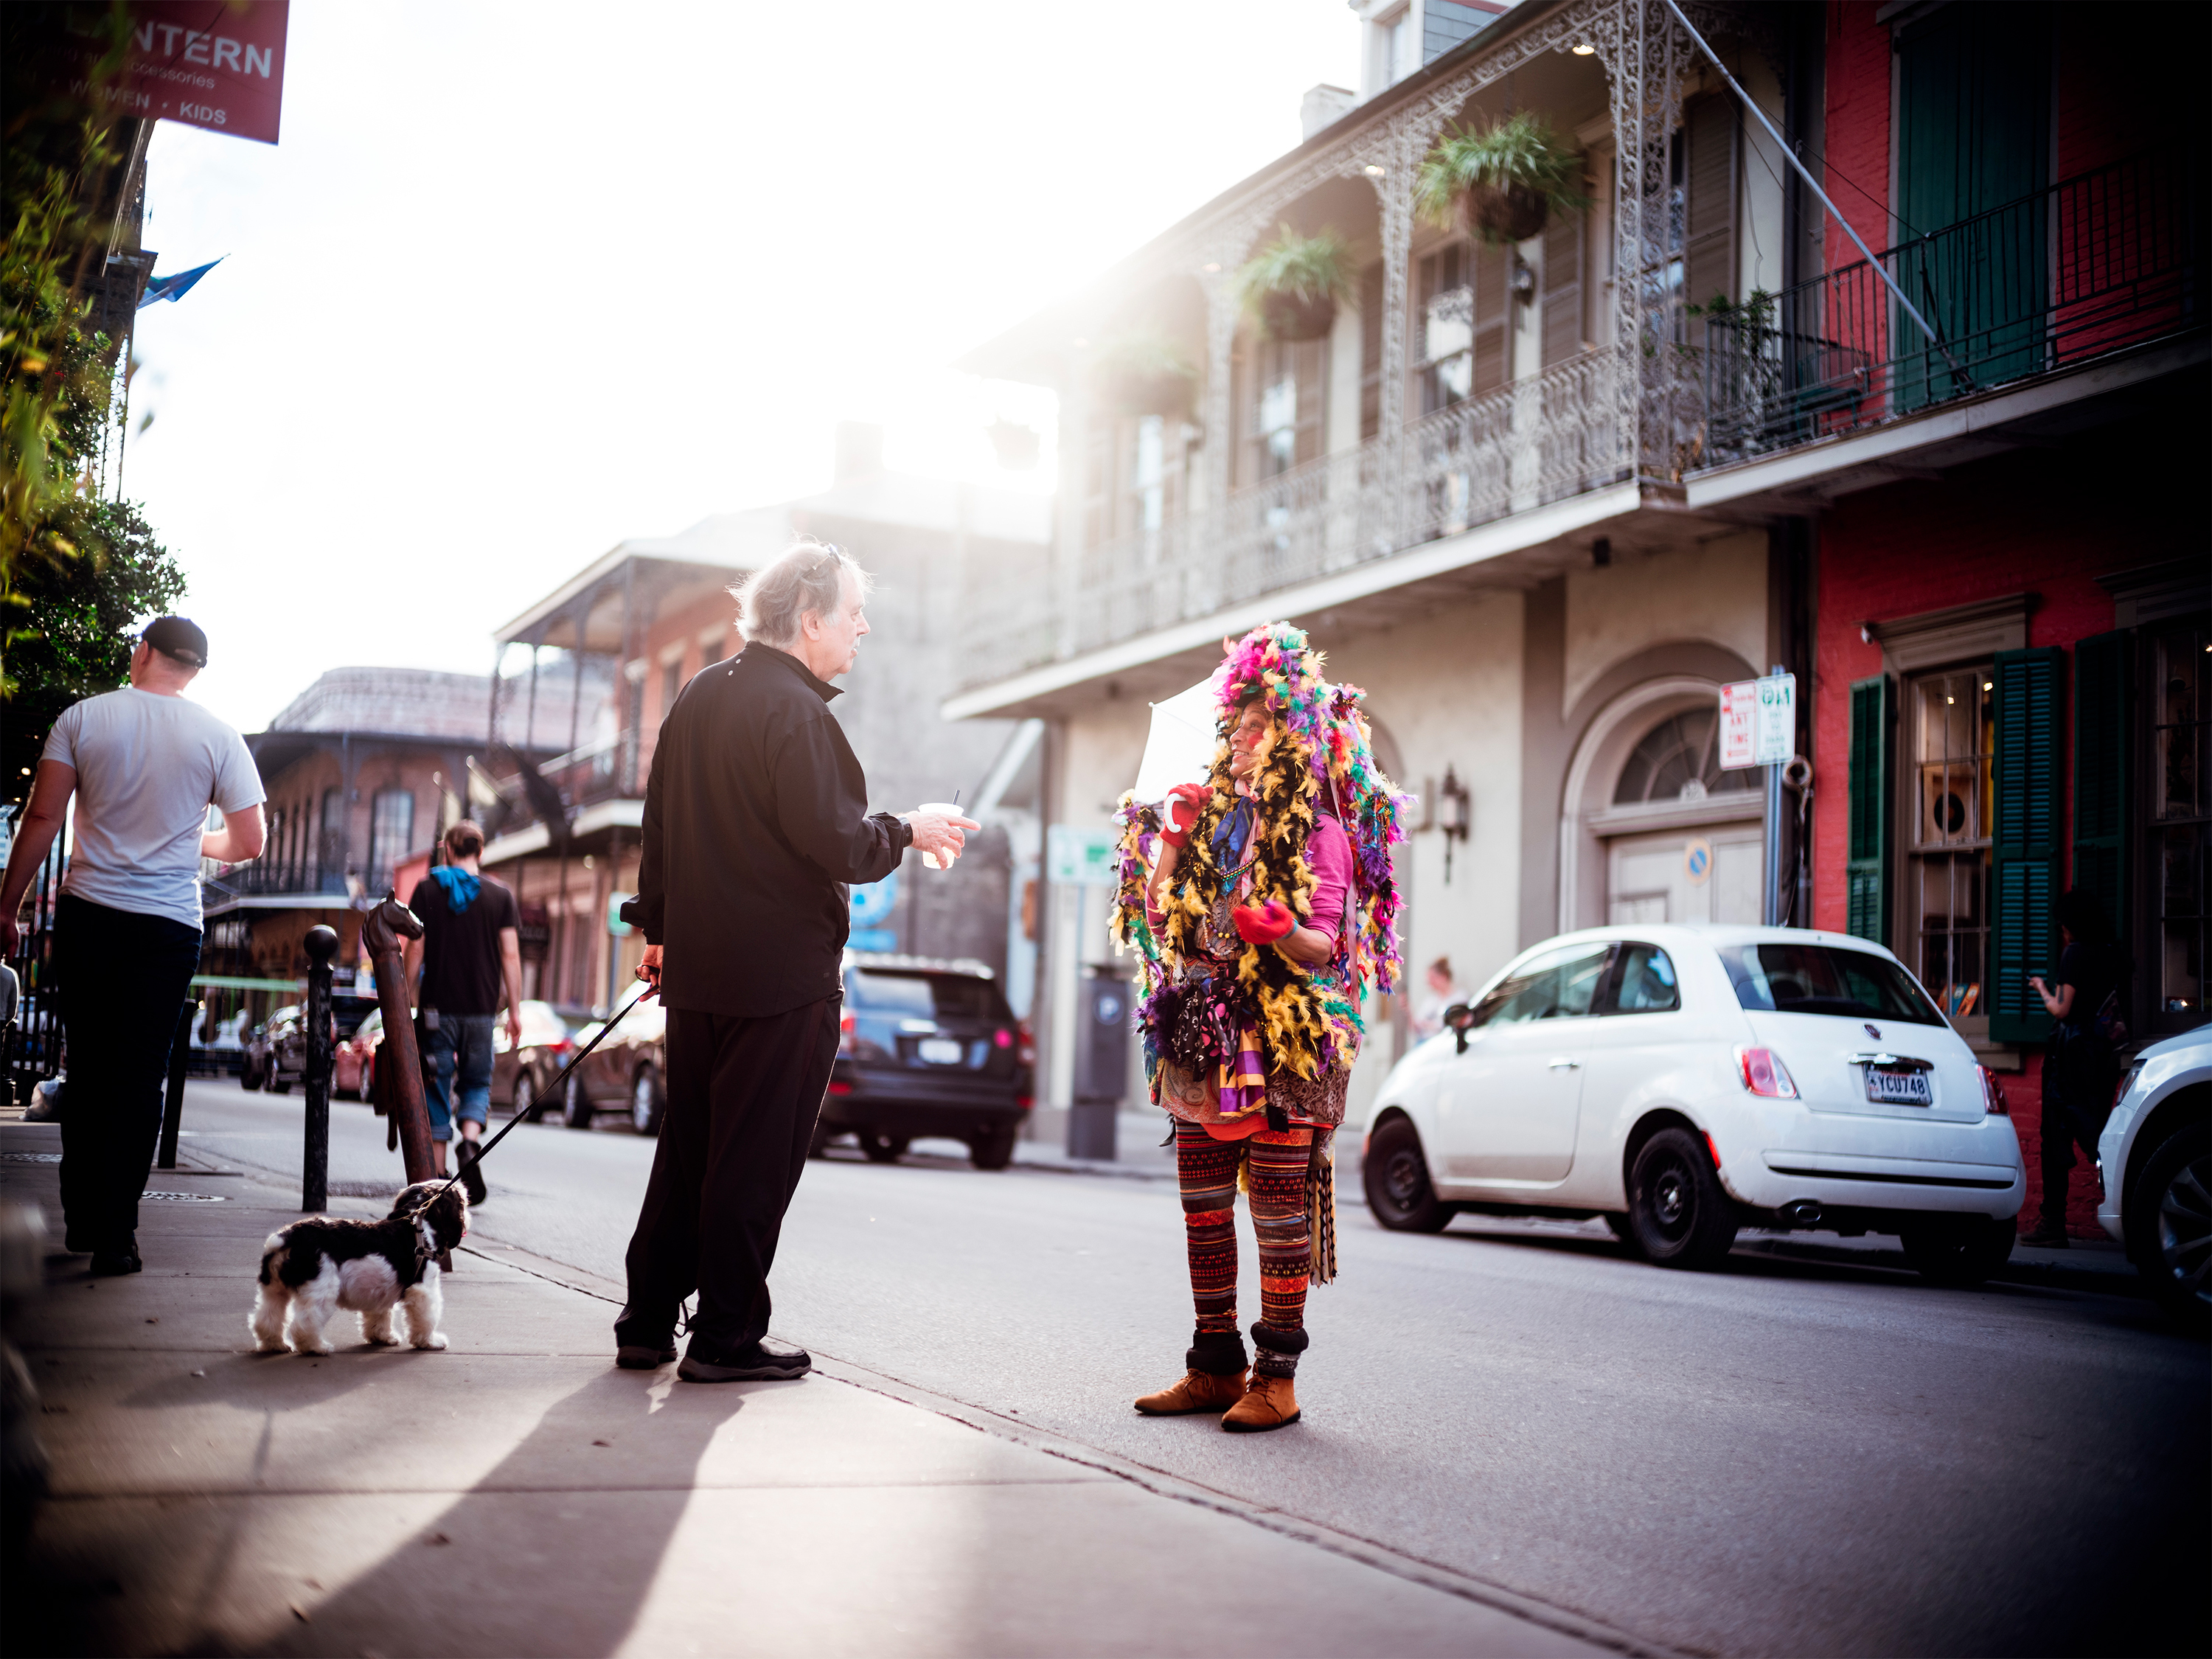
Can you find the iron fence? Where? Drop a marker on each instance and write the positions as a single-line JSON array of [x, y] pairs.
[[2103, 261], [32, 1049]]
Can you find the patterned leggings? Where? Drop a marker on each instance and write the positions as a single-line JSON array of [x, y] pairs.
[[1275, 1166]]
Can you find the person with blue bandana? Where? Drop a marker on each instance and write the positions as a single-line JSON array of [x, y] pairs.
[[470, 952]]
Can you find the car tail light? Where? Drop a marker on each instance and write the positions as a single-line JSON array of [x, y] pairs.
[[1002, 1038], [846, 1025], [839, 1086], [1993, 1095], [1024, 1101], [1026, 1052], [1764, 1075]]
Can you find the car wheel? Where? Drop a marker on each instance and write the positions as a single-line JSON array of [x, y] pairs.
[[1676, 1209], [279, 1084], [368, 1081], [575, 1104], [249, 1077], [2176, 1207], [520, 1093], [993, 1149], [1961, 1250], [647, 1101], [883, 1149], [1396, 1177]]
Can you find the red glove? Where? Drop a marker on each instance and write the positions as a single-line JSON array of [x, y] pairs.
[[1184, 803], [1263, 924]]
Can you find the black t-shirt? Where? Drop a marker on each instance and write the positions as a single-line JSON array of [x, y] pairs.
[[460, 954], [2089, 969]]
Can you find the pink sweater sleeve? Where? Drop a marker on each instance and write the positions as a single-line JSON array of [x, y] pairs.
[[1329, 855]]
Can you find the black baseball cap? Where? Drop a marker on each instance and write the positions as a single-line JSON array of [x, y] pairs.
[[180, 637]]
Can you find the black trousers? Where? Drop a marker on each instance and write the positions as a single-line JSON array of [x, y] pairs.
[[743, 1098], [123, 977]]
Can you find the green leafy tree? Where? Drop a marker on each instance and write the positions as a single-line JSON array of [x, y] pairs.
[[87, 605]]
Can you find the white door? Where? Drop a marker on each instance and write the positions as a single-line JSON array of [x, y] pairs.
[[1507, 1109], [1709, 874]]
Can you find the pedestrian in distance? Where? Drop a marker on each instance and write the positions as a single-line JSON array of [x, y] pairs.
[[2080, 1068], [144, 765], [466, 966], [1261, 903], [1443, 989], [756, 821]]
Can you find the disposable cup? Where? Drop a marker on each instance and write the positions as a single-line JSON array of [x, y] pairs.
[[950, 812]]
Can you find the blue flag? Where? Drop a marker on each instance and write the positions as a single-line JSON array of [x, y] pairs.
[[175, 287]]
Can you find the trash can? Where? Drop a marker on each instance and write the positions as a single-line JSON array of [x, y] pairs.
[[1102, 1064]]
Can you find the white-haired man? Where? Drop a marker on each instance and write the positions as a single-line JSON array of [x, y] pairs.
[[756, 820]]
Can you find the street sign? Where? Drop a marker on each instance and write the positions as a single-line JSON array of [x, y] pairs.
[[1759, 721], [1079, 857]]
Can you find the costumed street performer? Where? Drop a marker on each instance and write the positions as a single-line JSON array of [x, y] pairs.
[[1261, 903]]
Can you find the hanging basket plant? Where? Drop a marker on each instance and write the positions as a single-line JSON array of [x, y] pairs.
[[1292, 286], [1144, 372], [1502, 181]]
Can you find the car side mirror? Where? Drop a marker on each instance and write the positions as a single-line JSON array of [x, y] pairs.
[[1459, 1019]]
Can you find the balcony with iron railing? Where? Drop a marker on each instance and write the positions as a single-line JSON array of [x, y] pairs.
[[2098, 264], [1541, 440]]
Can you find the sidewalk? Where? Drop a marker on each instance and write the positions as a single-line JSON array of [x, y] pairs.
[[517, 1494]]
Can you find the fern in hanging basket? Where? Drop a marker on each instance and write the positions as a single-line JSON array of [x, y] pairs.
[[1144, 372], [1502, 180], [1292, 286]]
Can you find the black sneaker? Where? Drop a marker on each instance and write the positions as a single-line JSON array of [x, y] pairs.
[[763, 1362], [644, 1342], [644, 1356], [472, 1181], [107, 1264], [2047, 1236]]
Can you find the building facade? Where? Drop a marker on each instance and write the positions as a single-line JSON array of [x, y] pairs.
[[1542, 499]]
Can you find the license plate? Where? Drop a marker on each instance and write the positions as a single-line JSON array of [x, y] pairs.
[[1898, 1088], [939, 1051]]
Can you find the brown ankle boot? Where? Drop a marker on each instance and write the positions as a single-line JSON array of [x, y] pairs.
[[1269, 1402], [1198, 1391]]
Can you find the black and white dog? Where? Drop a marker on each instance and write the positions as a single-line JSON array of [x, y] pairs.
[[312, 1268]]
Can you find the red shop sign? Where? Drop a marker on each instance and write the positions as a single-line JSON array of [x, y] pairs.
[[212, 63]]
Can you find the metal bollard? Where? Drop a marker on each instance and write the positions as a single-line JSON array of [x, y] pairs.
[[322, 944], [172, 1110], [381, 930]]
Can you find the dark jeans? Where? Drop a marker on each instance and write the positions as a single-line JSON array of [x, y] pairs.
[[460, 1052], [743, 1098], [123, 977]]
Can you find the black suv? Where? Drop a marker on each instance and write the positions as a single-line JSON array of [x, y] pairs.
[[927, 1047]]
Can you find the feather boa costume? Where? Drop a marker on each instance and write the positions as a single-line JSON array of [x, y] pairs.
[[1318, 753]]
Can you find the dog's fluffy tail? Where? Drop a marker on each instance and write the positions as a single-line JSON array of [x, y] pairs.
[[271, 1248]]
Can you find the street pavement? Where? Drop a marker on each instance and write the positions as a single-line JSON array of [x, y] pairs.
[[1809, 1451]]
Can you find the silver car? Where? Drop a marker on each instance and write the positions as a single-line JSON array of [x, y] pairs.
[[2155, 1173]]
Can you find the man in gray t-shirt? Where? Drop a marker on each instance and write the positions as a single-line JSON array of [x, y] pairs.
[[145, 766]]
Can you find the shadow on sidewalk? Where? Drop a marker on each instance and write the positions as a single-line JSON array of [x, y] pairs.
[[554, 1549]]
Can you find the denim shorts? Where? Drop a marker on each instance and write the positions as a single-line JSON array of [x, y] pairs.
[[461, 1045]]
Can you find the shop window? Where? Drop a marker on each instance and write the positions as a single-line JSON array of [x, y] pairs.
[[2180, 822], [1950, 743]]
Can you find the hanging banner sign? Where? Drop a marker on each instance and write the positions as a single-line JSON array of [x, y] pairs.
[[212, 63], [1759, 722]]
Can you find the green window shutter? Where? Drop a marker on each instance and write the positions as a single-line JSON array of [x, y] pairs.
[[2104, 679], [2024, 853], [1873, 726]]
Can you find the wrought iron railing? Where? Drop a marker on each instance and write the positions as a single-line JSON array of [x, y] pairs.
[[2099, 262], [31, 1048], [1553, 435]]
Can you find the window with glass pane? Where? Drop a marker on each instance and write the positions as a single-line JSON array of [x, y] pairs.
[[1558, 985], [1647, 981], [2181, 817], [1148, 474], [391, 830], [1679, 759], [1285, 408], [1950, 742], [672, 682], [1446, 325], [332, 855]]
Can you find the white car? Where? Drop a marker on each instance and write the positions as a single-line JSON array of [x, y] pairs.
[[2155, 1173], [1684, 1082]]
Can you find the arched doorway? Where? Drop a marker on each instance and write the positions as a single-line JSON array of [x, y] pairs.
[[1654, 829]]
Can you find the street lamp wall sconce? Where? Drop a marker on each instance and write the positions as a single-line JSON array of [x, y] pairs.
[[1456, 814]]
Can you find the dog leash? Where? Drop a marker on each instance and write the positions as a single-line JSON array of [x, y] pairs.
[[543, 1096]]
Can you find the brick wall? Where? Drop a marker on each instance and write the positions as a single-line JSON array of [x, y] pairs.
[[1857, 161]]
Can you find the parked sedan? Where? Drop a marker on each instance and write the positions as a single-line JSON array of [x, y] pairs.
[[521, 1073], [927, 1047], [2155, 1173], [627, 1072], [1686, 1082]]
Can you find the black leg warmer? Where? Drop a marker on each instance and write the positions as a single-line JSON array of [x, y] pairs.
[[1217, 1354]]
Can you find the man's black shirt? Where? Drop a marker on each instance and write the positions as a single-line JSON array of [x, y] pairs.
[[460, 954], [756, 818]]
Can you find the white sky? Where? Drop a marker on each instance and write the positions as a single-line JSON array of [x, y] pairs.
[[524, 280]]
